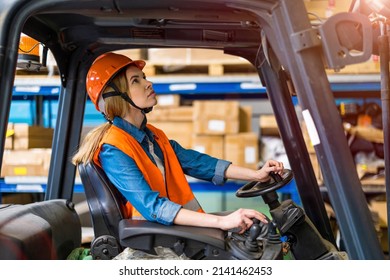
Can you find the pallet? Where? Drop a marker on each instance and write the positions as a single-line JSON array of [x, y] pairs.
[[214, 69], [368, 67], [195, 61]]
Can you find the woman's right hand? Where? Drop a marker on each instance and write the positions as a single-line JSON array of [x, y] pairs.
[[262, 175], [241, 219]]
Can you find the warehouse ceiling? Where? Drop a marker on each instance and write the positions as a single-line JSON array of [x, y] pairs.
[[144, 24]]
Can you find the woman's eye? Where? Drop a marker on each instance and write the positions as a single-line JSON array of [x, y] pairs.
[[135, 81]]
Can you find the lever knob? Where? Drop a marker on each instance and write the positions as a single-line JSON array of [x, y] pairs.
[[254, 232]]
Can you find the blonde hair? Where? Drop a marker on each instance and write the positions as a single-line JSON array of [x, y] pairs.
[[114, 106]]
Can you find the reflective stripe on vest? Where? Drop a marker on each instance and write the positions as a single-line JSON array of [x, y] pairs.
[[177, 190]]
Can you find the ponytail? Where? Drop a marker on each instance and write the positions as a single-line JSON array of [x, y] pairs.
[[90, 144]]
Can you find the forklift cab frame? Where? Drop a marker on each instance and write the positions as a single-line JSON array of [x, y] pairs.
[[276, 36]]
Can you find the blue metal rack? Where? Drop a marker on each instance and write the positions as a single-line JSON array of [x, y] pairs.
[[200, 85]]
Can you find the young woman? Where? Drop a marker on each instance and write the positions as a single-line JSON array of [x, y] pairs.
[[139, 159]]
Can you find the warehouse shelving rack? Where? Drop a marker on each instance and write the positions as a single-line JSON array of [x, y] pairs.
[[241, 85], [38, 90]]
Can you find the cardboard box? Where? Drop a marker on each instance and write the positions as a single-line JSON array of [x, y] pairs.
[[216, 117], [212, 145], [29, 137], [179, 114], [25, 130], [158, 114], [31, 143], [33, 162], [371, 66], [9, 140], [268, 126], [168, 100], [181, 132], [182, 114], [245, 119], [242, 149]]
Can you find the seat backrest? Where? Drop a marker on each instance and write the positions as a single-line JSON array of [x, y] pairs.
[[106, 203]]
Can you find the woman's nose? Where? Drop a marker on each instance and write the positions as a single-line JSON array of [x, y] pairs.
[[148, 84]]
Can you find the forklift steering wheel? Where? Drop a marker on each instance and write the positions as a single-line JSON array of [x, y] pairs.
[[275, 182]]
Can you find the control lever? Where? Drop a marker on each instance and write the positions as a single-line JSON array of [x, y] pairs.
[[246, 246], [254, 232]]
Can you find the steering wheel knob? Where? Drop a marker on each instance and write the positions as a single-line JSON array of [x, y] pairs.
[[276, 181], [276, 176]]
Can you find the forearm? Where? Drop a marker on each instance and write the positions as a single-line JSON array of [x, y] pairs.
[[261, 175], [187, 217], [240, 173], [241, 218]]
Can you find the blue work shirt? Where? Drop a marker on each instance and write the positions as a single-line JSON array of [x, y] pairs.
[[124, 173]]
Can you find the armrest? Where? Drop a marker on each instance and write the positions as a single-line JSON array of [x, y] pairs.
[[145, 235]]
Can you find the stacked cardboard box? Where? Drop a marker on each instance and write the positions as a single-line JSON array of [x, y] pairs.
[[268, 126], [216, 117], [223, 129], [242, 149], [9, 140], [29, 137], [178, 131], [31, 162], [28, 151], [209, 127], [168, 100], [212, 145]]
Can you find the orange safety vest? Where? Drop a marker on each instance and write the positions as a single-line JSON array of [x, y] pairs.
[[176, 187]]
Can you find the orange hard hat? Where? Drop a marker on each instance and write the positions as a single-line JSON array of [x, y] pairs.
[[103, 69]]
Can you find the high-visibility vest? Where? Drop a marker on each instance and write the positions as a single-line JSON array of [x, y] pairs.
[[175, 187]]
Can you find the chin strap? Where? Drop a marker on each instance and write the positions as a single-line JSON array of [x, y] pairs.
[[117, 92]]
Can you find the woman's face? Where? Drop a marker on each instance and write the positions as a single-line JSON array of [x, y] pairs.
[[140, 89]]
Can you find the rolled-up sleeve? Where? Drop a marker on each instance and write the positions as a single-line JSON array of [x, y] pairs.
[[220, 169], [124, 174], [167, 213]]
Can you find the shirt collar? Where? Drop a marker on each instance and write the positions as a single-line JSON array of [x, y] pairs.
[[138, 134]]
